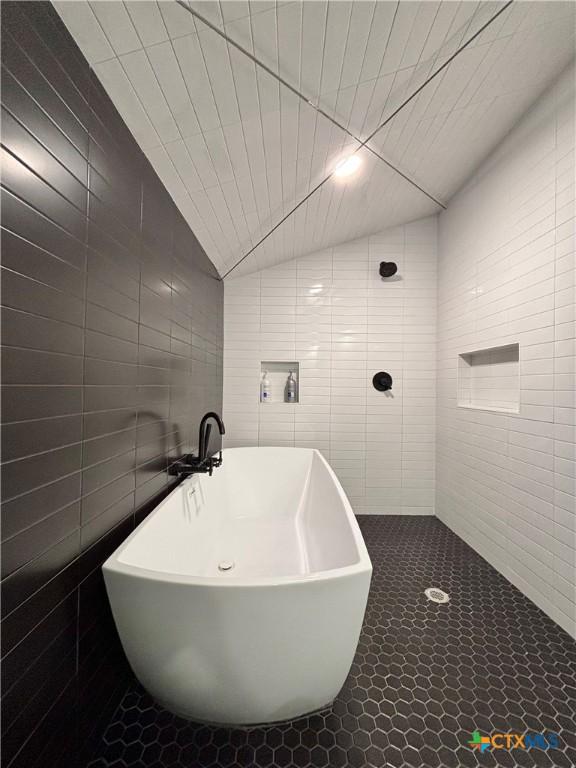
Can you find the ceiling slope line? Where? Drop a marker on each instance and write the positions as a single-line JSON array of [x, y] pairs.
[[303, 98], [363, 143]]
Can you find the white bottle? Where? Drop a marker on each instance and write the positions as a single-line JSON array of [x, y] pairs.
[[291, 388], [265, 388]]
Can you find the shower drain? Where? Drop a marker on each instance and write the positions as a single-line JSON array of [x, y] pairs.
[[436, 595], [226, 565]]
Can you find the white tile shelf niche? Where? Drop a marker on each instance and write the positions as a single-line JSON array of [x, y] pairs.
[[489, 379], [278, 372]]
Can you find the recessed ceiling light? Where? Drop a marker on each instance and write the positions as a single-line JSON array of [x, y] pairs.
[[348, 166]]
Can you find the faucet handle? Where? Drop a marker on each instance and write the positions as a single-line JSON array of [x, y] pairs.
[[179, 467]]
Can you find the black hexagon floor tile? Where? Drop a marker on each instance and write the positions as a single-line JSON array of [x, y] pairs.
[[425, 677]]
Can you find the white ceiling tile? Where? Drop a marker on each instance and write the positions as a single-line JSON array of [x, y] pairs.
[[259, 6], [380, 100], [200, 156], [191, 63], [307, 121], [357, 42], [272, 137], [468, 19], [423, 22], [234, 9], [289, 25], [377, 40], [240, 31], [289, 111], [264, 38], [341, 103], [147, 20], [396, 48], [313, 28], [268, 92], [217, 62], [236, 143], [182, 161], [507, 22], [254, 143], [208, 214], [173, 86], [165, 168], [230, 228], [237, 213], [209, 9], [85, 28], [261, 192], [218, 151], [246, 193], [178, 20], [443, 26], [117, 25], [120, 90], [337, 23], [144, 82], [245, 85]]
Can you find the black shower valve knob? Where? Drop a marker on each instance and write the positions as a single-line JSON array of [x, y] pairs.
[[382, 381], [388, 268]]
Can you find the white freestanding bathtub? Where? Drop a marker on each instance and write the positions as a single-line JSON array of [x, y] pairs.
[[273, 636]]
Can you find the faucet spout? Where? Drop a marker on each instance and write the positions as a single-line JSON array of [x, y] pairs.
[[204, 433]]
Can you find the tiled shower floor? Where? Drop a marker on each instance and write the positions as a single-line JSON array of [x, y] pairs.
[[425, 677]]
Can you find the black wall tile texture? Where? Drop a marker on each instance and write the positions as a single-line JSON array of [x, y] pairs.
[[111, 353]]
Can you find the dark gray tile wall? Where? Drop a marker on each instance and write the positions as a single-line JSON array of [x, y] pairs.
[[111, 353]]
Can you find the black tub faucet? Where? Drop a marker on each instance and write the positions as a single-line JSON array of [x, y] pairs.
[[190, 464], [204, 434]]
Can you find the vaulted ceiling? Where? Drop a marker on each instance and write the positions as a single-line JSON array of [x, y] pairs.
[[245, 108]]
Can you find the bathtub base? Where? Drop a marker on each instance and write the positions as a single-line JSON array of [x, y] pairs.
[[258, 655], [246, 726]]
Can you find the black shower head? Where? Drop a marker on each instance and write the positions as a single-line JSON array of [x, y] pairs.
[[387, 268]]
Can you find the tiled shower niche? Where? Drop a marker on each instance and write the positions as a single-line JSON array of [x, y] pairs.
[[278, 372], [488, 379]]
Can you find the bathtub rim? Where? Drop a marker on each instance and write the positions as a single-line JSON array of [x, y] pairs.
[[113, 564]]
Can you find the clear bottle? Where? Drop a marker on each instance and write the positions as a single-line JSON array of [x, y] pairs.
[[290, 391], [265, 388]]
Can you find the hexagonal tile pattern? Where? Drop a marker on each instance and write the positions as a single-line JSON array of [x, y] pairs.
[[425, 676]]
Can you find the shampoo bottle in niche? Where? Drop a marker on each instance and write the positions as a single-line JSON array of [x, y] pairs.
[[265, 388], [291, 388]]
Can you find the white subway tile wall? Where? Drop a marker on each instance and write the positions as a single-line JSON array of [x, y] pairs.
[[333, 313], [506, 482]]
